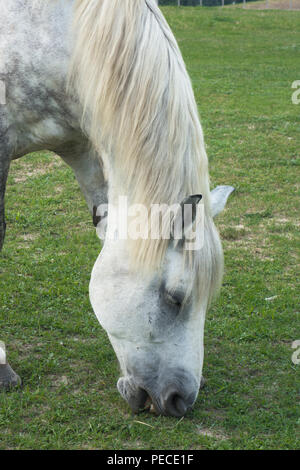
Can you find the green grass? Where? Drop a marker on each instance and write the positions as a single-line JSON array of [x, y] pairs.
[[242, 64]]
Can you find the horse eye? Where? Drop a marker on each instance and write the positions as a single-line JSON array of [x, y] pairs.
[[173, 299]]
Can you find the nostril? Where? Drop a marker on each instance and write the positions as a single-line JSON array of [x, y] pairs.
[[134, 395], [175, 405], [180, 405]]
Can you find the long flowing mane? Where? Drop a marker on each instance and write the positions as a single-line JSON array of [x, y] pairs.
[[138, 98]]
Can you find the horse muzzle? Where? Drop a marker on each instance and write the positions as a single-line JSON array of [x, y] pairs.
[[174, 398]]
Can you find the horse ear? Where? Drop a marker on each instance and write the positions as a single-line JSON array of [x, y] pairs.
[[219, 197], [185, 217]]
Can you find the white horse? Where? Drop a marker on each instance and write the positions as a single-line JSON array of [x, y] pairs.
[[102, 83]]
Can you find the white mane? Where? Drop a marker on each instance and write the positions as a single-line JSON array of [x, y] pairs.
[[136, 94]]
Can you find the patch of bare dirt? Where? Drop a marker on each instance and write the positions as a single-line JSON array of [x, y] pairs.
[[30, 237], [57, 381], [213, 433]]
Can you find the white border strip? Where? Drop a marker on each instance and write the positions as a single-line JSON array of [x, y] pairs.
[[2, 353]]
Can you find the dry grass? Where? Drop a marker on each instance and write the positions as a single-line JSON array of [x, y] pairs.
[[274, 5]]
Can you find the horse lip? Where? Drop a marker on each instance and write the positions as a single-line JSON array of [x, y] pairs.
[[153, 403], [138, 397]]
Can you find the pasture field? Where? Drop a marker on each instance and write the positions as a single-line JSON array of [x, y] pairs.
[[242, 64]]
